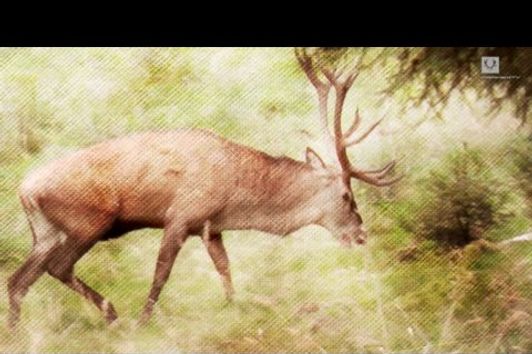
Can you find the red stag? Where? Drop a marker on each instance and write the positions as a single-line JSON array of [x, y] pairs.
[[187, 182]]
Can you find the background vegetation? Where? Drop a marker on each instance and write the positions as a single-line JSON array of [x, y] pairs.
[[438, 273]]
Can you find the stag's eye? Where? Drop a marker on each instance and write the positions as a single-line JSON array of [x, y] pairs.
[[346, 197]]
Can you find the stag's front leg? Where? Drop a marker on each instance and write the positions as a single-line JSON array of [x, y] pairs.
[[173, 239], [216, 249]]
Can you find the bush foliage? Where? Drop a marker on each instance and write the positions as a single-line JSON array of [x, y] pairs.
[[461, 201], [522, 159]]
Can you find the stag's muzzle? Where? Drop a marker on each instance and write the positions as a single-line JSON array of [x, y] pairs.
[[359, 238]]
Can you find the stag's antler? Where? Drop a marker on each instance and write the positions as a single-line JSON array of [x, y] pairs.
[[322, 86], [342, 82]]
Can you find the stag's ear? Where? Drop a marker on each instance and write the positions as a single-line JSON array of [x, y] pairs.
[[313, 159]]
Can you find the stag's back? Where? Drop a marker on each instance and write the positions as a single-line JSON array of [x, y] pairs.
[[136, 178]]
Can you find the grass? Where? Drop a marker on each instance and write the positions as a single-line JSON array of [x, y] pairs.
[[302, 293], [298, 294]]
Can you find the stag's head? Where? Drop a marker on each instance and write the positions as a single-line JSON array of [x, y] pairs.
[[340, 212]]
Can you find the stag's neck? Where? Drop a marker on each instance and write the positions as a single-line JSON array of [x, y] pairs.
[[278, 200], [293, 188], [297, 208]]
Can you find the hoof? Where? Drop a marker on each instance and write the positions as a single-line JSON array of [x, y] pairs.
[[110, 312], [144, 319]]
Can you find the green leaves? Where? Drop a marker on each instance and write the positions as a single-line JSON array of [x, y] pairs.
[[462, 199]]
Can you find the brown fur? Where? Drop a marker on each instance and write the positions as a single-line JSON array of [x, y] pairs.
[[179, 181]]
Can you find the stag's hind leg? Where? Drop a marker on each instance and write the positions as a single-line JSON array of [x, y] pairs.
[[216, 249], [61, 267], [46, 238], [19, 283]]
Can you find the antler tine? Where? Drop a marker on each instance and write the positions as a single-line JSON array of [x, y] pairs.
[[331, 75], [335, 75], [355, 71], [305, 61], [354, 125], [380, 173], [372, 179], [375, 177], [352, 76], [350, 79], [350, 141]]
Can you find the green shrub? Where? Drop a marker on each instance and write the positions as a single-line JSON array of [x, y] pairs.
[[461, 200], [522, 159]]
